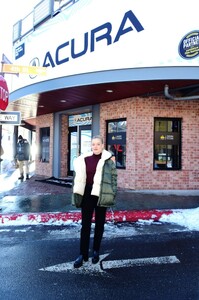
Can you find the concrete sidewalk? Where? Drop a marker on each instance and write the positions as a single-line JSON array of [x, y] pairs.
[[40, 202]]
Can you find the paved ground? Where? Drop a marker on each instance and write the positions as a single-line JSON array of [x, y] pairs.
[[34, 198]]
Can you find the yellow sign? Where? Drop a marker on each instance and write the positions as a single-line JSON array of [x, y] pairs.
[[17, 69]]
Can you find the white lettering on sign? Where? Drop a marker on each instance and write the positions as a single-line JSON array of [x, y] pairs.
[[8, 117], [3, 94], [191, 42]]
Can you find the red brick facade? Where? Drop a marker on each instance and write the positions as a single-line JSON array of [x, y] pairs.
[[140, 114], [44, 168], [64, 145]]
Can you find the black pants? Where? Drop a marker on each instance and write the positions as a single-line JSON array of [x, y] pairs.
[[89, 205]]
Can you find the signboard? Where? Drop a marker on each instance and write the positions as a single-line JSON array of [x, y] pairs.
[[128, 34], [20, 51], [17, 69], [80, 120], [4, 93], [13, 117], [5, 59], [167, 138]]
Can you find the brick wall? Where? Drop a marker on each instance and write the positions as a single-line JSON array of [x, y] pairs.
[[43, 168], [64, 145], [140, 114]]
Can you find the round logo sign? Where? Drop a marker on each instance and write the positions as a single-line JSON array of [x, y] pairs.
[[189, 45], [4, 93], [35, 63]]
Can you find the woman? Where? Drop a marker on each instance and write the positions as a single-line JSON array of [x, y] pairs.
[[94, 189]]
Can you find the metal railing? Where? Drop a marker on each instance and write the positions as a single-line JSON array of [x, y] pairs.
[[42, 12]]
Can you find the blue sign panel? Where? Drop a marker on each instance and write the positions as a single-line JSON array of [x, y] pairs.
[[189, 45], [19, 51]]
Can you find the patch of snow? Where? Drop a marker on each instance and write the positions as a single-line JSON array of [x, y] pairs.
[[184, 217], [188, 218]]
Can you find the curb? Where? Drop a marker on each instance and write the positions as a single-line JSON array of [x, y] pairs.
[[49, 218]]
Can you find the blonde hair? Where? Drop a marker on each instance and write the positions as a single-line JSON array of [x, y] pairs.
[[99, 137]]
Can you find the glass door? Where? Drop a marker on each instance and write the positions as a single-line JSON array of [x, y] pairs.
[[85, 138], [79, 141], [73, 148]]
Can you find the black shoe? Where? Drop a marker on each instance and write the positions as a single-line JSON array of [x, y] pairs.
[[21, 177], [95, 257], [27, 177], [79, 261]]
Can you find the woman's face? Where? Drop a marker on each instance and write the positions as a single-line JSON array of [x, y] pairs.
[[97, 146]]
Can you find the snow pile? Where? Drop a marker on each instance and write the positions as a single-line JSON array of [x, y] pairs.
[[186, 217]]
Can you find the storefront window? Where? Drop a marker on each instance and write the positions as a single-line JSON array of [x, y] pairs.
[[44, 144], [116, 141], [167, 144]]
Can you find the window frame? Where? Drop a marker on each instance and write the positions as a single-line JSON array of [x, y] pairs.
[[44, 133], [122, 136], [178, 134]]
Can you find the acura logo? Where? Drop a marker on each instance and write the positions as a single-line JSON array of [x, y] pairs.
[[35, 63]]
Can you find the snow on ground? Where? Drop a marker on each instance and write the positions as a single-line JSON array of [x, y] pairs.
[[187, 218]]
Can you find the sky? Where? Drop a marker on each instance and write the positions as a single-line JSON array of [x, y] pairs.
[[11, 12]]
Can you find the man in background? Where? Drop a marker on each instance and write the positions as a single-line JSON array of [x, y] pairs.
[[23, 156]]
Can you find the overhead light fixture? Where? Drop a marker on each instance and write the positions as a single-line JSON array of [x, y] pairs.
[[63, 101], [109, 91], [41, 106]]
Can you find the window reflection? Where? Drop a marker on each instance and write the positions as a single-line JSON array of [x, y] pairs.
[[116, 141], [45, 144], [167, 144]]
